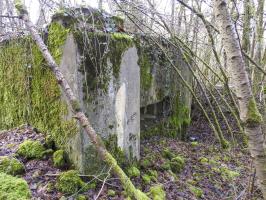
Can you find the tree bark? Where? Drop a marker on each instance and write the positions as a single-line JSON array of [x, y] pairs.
[[249, 113], [246, 30], [79, 115]]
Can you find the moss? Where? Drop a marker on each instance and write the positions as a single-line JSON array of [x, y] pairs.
[[48, 96], [112, 146], [60, 158], [11, 166], [118, 21], [13, 188], [157, 192], [168, 154], [49, 187], [129, 188], [228, 174], [177, 164], [253, 115], [173, 127], [213, 162], [56, 39], [146, 179], [30, 149], [76, 106], [192, 182], [13, 71], [111, 193], [226, 158], [145, 163], [180, 117], [69, 182], [203, 160], [225, 144], [153, 174], [166, 165], [119, 44], [194, 144], [49, 141], [133, 172], [145, 65], [81, 197], [196, 191], [28, 77], [91, 185], [109, 47]]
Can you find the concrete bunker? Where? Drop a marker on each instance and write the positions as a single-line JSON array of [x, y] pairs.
[[124, 83]]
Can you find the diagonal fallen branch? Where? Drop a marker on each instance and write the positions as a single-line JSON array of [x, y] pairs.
[[79, 115]]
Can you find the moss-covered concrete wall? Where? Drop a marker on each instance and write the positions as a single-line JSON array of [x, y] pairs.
[[30, 93], [113, 75], [165, 101]]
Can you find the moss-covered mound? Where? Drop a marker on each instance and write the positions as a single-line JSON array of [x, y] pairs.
[[60, 159], [177, 164], [133, 172], [31, 149], [11, 166], [157, 193], [12, 188], [69, 182]]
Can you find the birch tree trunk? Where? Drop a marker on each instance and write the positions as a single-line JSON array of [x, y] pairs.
[[246, 30], [173, 16], [249, 113], [259, 32], [79, 115]]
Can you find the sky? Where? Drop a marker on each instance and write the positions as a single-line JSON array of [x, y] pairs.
[[33, 6]]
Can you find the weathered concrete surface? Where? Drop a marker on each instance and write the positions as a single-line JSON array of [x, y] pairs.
[[115, 111], [113, 108], [69, 67]]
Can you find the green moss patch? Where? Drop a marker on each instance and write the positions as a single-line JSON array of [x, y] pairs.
[[31, 149], [110, 47], [133, 172], [111, 193], [60, 159], [196, 191], [24, 73], [157, 192], [253, 115], [177, 164], [13, 188], [69, 182], [168, 154], [228, 174], [112, 146], [11, 166]]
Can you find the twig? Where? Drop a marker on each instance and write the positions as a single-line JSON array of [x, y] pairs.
[[104, 181], [9, 16], [254, 63]]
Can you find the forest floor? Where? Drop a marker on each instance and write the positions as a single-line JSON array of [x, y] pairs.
[[209, 172]]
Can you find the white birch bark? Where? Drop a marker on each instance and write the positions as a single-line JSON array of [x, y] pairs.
[[248, 109]]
